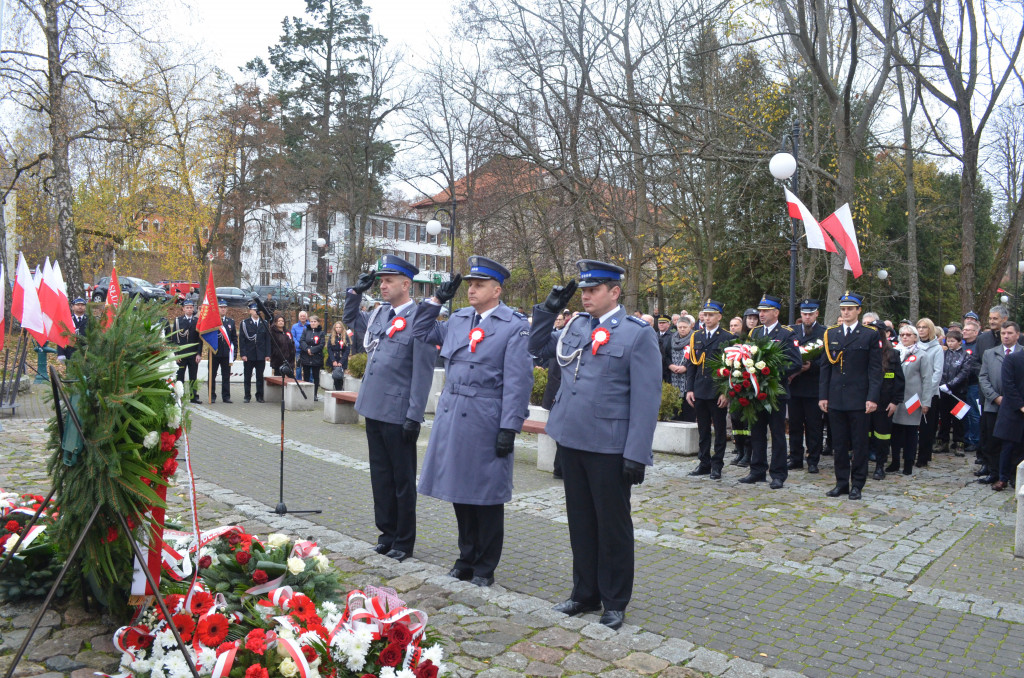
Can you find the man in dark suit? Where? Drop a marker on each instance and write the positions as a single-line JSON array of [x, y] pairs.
[[81, 321], [221, 360], [254, 347], [805, 418], [701, 393], [775, 421], [1010, 420], [665, 331], [850, 386], [990, 383], [185, 334]]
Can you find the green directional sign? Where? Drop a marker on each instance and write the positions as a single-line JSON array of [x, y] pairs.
[[438, 279], [296, 219]]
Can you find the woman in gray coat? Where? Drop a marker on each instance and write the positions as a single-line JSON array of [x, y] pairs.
[[929, 424], [918, 374]]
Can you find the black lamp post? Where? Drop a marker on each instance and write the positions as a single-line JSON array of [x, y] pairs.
[[783, 166]]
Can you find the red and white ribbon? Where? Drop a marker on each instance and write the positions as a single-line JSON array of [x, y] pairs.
[[397, 325], [476, 335], [305, 549], [598, 338]]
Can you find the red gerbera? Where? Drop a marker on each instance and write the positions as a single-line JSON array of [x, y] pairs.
[[243, 557], [260, 577], [13, 526], [212, 629], [302, 607], [186, 625], [205, 562], [256, 641], [390, 655], [172, 601], [201, 603], [255, 671]]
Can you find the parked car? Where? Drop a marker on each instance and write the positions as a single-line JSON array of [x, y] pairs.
[[283, 296], [235, 297], [130, 287]]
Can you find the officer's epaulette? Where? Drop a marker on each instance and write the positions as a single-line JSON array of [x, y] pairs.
[[787, 327], [521, 316], [638, 321], [834, 327], [870, 327]]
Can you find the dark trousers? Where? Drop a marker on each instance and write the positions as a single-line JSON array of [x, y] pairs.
[[600, 528], [806, 422], [991, 447], [740, 434], [224, 366], [300, 371], [393, 480], [774, 421], [904, 444], [881, 434], [1010, 456], [249, 368], [972, 422], [481, 536], [313, 375], [850, 446], [710, 414], [926, 432], [949, 424], [189, 364], [685, 412]]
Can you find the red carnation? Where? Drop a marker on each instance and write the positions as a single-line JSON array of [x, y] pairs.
[[426, 670], [243, 557], [177, 433], [255, 671], [13, 526], [744, 402], [309, 653], [766, 370], [762, 396], [390, 655], [399, 634], [212, 629], [167, 441], [233, 538], [260, 577], [170, 467], [201, 603], [224, 647], [186, 625], [256, 641], [205, 562]]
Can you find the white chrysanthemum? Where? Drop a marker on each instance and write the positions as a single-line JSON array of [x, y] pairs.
[[296, 565], [759, 364], [179, 389], [151, 439], [176, 667], [277, 539], [206, 660], [322, 564], [142, 666], [331, 619], [435, 653], [363, 634], [387, 672], [308, 638], [329, 607], [405, 673], [165, 639]]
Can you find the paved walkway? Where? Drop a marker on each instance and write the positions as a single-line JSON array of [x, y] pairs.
[[918, 579]]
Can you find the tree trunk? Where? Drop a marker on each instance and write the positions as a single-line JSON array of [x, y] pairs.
[[913, 279], [968, 187]]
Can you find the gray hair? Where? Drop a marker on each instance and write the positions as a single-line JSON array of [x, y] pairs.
[[871, 317], [1001, 310], [911, 328]]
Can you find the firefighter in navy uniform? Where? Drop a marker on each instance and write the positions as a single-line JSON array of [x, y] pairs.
[[890, 399], [701, 393], [806, 421], [221, 360], [185, 335], [81, 321], [849, 391], [775, 421]]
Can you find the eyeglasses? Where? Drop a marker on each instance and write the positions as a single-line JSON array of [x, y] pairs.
[[907, 334]]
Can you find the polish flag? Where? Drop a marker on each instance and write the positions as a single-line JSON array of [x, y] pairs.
[[913, 405], [960, 410], [65, 303], [58, 310], [3, 303], [817, 239], [25, 302], [48, 299], [839, 225]]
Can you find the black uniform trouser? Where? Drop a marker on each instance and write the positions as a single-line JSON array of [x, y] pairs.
[[600, 528], [189, 363], [990, 445], [224, 365], [775, 421], [393, 480], [481, 536], [249, 367], [710, 414], [850, 446], [926, 436], [806, 421]]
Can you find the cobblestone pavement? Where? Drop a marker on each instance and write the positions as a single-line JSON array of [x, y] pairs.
[[918, 579]]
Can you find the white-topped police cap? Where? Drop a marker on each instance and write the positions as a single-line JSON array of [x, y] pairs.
[[391, 264], [482, 268], [594, 273]]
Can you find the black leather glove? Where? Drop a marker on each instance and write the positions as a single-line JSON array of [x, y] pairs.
[[506, 442], [410, 431], [633, 472], [560, 296], [364, 283], [446, 291]]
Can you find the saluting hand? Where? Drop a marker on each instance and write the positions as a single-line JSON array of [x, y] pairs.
[[560, 296], [446, 291], [364, 283]]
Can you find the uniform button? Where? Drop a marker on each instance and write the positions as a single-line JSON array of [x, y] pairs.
[[446, 409], [463, 414], [574, 392], [470, 367]]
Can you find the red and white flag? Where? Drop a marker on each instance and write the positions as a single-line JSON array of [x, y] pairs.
[[64, 317], [25, 302], [960, 410], [839, 225], [3, 303], [56, 305], [817, 239], [48, 299], [913, 405], [113, 298]]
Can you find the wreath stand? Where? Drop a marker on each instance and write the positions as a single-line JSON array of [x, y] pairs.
[[76, 437]]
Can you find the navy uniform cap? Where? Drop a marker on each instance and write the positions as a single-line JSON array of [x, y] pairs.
[[851, 299], [188, 302], [810, 305], [972, 315], [594, 273], [769, 302], [391, 264], [78, 300], [254, 305], [482, 268], [222, 301], [712, 305]]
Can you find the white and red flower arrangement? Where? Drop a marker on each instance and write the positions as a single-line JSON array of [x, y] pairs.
[[750, 374], [812, 350]]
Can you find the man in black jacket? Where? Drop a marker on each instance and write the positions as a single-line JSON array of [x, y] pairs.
[[806, 420], [221, 360], [185, 334], [665, 331], [701, 393], [254, 347], [81, 320]]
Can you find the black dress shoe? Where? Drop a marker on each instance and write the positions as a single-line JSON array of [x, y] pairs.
[[854, 493], [460, 574], [699, 472], [983, 471], [794, 465], [716, 474], [246, 400], [381, 548], [776, 484], [838, 490], [879, 474], [893, 467], [613, 618], [744, 462], [572, 607], [213, 400], [481, 581], [812, 468], [259, 399], [988, 480], [750, 478], [397, 555], [735, 461], [226, 400], [196, 401]]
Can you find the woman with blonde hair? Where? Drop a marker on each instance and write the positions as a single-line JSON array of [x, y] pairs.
[[337, 354], [311, 352], [929, 423]]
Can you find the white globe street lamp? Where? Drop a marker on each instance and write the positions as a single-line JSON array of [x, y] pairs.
[[320, 242], [882, 274], [433, 227], [1020, 266], [782, 166], [949, 269], [1004, 299]]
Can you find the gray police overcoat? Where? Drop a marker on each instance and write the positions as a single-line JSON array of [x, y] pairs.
[[484, 391], [399, 368], [608, 402]]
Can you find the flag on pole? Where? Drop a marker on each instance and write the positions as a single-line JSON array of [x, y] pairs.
[[56, 306], [64, 319], [839, 225], [113, 298], [961, 409], [25, 302], [913, 405], [817, 239], [208, 324], [48, 299], [3, 304]]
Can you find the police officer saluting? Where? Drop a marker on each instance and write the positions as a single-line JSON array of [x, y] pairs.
[[221, 360], [392, 398], [701, 392], [805, 418], [851, 380], [774, 421], [81, 322], [603, 420], [486, 398]]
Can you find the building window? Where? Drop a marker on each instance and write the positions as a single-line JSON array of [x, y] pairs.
[[145, 225], [264, 278], [280, 245], [265, 248], [156, 225], [391, 230]]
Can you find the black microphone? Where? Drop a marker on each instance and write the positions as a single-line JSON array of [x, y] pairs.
[[262, 308]]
